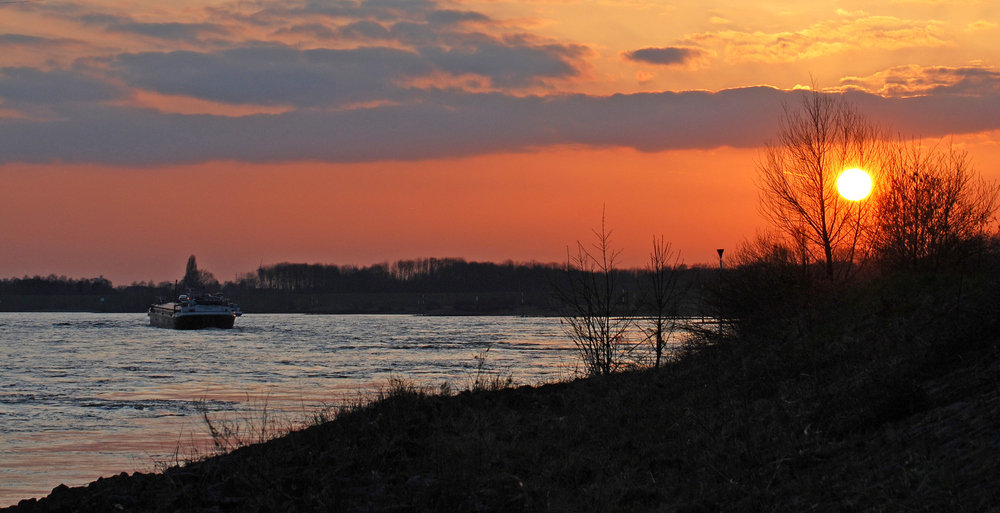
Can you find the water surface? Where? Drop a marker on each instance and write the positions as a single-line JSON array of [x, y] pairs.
[[88, 395]]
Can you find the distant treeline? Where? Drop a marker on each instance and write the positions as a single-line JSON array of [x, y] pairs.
[[55, 285], [426, 275], [428, 285]]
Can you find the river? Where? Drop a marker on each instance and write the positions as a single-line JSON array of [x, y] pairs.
[[86, 395]]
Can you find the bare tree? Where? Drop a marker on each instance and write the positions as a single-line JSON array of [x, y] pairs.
[[797, 178], [597, 313], [933, 209], [663, 296]]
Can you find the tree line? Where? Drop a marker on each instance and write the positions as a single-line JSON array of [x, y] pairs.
[[55, 285], [438, 285], [423, 275]]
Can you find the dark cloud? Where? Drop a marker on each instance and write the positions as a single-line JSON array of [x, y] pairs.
[[446, 124], [274, 14], [100, 18], [37, 87], [21, 40], [402, 41], [282, 75], [275, 75], [670, 56], [971, 82], [170, 31], [451, 17], [442, 125], [509, 66], [409, 21], [364, 30], [418, 34], [932, 116], [315, 30]]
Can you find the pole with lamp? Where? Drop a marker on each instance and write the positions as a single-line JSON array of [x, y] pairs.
[[720, 288]]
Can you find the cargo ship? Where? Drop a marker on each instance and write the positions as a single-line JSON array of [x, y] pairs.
[[195, 311]]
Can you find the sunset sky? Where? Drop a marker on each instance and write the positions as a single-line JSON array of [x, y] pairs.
[[134, 134]]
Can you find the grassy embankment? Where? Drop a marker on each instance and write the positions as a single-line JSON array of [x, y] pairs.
[[883, 398]]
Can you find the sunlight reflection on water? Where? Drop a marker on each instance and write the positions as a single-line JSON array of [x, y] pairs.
[[88, 395]]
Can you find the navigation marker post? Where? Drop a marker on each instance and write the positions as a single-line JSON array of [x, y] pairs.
[[719, 313]]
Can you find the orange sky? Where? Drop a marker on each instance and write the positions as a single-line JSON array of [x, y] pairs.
[[135, 134], [518, 206]]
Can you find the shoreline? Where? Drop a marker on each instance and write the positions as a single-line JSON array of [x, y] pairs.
[[729, 426], [381, 455]]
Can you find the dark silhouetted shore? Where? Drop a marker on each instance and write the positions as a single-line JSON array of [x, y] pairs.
[[885, 399]]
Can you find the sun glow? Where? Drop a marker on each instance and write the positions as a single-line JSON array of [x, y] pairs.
[[854, 184]]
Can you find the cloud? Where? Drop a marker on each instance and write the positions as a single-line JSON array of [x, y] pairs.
[[349, 81], [913, 80], [365, 30], [169, 30], [422, 24], [334, 19], [275, 14], [274, 75], [310, 54], [451, 124], [23, 40], [37, 87], [278, 74], [669, 56], [358, 51], [312, 30], [823, 39], [511, 66], [644, 77], [442, 125], [981, 25], [453, 17]]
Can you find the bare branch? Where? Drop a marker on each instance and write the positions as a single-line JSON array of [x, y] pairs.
[[797, 176]]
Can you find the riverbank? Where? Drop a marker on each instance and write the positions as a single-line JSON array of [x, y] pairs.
[[874, 401]]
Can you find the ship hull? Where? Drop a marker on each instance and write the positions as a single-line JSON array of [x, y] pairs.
[[174, 317], [191, 322]]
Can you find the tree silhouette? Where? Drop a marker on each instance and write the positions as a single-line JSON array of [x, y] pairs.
[[662, 296], [196, 279], [797, 177], [934, 209], [597, 313], [191, 278]]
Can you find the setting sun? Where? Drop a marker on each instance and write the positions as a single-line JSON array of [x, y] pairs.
[[854, 184]]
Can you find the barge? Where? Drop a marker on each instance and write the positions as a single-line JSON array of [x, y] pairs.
[[195, 311]]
